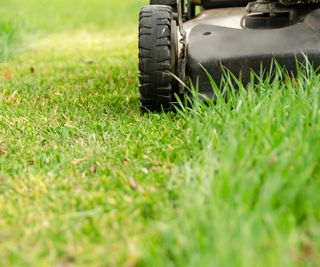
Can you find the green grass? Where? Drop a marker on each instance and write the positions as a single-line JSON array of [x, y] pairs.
[[85, 180], [9, 38], [250, 196]]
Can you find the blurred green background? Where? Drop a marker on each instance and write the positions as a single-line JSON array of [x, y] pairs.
[[22, 20]]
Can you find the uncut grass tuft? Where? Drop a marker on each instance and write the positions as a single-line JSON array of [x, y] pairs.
[[249, 194]]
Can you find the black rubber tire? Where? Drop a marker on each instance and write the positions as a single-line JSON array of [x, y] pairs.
[[156, 58]]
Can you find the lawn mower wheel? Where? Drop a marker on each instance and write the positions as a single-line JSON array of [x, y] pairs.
[[158, 49]]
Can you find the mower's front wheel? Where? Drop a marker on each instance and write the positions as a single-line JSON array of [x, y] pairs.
[[157, 57]]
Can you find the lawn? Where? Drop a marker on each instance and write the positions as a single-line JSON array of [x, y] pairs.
[[86, 180]]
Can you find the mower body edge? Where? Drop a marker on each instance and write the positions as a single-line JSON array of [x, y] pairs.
[[218, 40]]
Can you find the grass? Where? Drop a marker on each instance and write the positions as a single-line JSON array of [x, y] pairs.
[[9, 38], [250, 195], [85, 180]]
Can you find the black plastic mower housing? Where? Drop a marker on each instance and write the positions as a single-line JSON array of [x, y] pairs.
[[242, 51], [208, 4]]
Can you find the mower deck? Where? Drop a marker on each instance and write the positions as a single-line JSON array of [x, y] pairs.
[[225, 17], [216, 39]]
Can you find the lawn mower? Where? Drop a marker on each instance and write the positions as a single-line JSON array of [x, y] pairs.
[[185, 40]]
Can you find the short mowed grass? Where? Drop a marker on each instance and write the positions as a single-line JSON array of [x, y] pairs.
[[86, 180]]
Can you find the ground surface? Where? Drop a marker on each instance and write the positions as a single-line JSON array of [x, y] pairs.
[[85, 180]]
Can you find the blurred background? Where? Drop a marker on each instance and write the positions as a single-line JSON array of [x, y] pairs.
[[23, 20]]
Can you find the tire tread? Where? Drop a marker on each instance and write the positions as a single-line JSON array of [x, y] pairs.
[[155, 58]]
